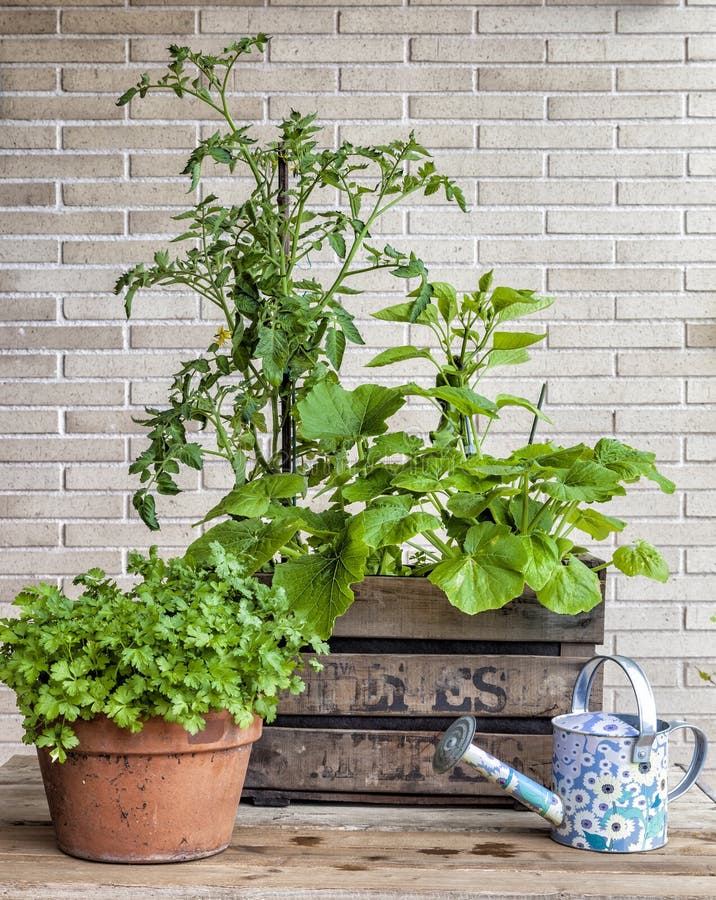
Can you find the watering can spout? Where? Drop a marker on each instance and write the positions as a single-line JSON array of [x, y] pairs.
[[456, 746]]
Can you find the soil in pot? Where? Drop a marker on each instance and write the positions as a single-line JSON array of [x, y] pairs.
[[162, 795]]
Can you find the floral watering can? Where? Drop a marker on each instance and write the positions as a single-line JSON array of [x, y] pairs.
[[609, 770]]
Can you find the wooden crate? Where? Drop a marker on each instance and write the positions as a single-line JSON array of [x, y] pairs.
[[404, 663]]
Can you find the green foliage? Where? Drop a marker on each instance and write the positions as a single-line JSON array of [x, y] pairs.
[[492, 525], [333, 415], [571, 588], [256, 498], [320, 583], [482, 527], [256, 542], [641, 559], [488, 571], [283, 330], [188, 639]]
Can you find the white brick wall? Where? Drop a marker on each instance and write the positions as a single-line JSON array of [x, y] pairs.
[[585, 138]]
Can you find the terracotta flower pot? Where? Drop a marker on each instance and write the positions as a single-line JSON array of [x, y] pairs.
[[162, 795]]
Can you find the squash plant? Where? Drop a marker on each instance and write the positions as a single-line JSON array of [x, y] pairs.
[[488, 525], [480, 527]]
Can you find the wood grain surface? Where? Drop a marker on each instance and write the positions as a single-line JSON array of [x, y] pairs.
[[309, 852], [403, 664]]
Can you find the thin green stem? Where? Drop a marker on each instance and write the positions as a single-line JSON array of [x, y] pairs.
[[467, 326], [360, 237], [537, 515], [564, 520], [475, 437], [486, 432], [217, 290], [385, 265], [424, 550], [445, 549], [443, 336], [525, 501]]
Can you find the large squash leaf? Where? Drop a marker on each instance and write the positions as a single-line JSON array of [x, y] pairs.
[[584, 480], [596, 524], [392, 444], [488, 574], [251, 540], [255, 497], [318, 585], [543, 558], [390, 521], [573, 588], [630, 464]]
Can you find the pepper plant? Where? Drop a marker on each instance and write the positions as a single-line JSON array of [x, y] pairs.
[[285, 327]]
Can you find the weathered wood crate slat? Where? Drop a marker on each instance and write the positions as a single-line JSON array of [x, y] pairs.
[[397, 762], [392, 607], [403, 665], [422, 684]]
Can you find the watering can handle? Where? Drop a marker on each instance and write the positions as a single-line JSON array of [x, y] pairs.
[[644, 699], [697, 760]]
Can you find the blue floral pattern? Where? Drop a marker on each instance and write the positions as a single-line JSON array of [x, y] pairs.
[[611, 803]]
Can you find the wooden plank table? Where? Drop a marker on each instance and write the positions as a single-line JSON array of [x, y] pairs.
[[350, 852]]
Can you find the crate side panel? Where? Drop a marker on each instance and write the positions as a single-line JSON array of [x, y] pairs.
[[436, 685], [394, 606], [388, 762]]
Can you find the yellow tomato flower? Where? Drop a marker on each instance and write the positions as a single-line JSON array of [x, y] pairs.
[[222, 336]]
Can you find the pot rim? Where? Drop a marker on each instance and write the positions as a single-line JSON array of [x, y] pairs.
[[101, 736]]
